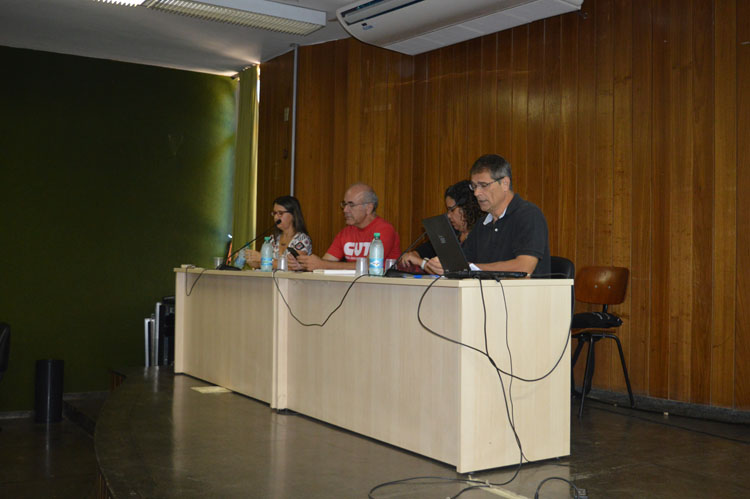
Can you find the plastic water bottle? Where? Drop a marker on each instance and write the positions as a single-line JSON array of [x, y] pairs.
[[376, 255], [239, 260], [266, 256]]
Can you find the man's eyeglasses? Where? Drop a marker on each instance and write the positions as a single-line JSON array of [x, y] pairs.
[[351, 205], [483, 185], [279, 213]]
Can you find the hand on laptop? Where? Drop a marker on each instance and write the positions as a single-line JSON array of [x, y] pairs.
[[411, 258], [433, 266]]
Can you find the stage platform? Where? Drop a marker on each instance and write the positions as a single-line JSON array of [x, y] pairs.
[[157, 437]]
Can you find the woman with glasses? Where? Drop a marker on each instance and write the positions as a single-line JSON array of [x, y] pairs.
[[463, 212], [290, 232]]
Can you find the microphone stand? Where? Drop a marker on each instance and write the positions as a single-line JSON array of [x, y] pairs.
[[394, 272], [227, 266]]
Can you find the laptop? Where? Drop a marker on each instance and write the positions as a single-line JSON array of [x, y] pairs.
[[452, 258]]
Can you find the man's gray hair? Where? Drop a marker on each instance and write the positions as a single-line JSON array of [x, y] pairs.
[[368, 196], [497, 166]]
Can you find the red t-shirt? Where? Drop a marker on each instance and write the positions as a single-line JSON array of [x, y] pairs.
[[352, 242]]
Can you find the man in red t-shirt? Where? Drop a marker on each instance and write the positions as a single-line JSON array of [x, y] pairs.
[[359, 205]]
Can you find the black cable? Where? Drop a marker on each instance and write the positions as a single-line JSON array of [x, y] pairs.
[[411, 247], [551, 275], [188, 293], [225, 264], [476, 483], [509, 414], [520, 378], [419, 319], [276, 282], [491, 360], [510, 355], [506, 397], [577, 490]]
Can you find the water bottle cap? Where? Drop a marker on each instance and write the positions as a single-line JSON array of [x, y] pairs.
[[267, 238], [377, 234]]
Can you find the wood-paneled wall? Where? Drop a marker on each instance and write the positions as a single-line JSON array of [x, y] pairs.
[[274, 136], [627, 123]]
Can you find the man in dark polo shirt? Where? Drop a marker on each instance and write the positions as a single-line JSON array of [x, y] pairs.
[[514, 234]]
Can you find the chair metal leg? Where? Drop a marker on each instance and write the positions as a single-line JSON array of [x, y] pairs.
[[588, 375], [624, 368], [581, 339]]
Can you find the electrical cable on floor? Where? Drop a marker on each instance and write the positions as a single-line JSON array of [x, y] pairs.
[[507, 398], [475, 483], [578, 493]]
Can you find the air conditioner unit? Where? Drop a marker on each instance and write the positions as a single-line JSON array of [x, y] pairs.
[[416, 26]]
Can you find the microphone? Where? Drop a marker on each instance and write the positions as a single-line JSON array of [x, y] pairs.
[[227, 266], [393, 271]]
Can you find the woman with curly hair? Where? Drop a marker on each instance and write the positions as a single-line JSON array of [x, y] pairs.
[[463, 212]]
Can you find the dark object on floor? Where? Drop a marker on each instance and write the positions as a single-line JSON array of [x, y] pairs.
[[48, 402]]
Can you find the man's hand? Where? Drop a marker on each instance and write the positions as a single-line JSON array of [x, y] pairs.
[[410, 258], [310, 262], [433, 266]]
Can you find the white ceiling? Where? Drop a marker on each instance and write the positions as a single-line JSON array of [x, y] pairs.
[[136, 34]]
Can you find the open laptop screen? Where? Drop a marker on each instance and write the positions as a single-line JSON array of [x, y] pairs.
[[452, 258]]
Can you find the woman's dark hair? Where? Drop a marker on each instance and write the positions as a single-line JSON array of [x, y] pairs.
[[464, 198], [291, 204]]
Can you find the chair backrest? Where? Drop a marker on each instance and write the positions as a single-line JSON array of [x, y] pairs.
[[602, 285], [562, 268], [4, 347]]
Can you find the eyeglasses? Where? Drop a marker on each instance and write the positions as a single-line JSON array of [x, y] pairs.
[[279, 213], [351, 205], [450, 209], [483, 185]]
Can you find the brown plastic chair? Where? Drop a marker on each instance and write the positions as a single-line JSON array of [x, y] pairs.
[[601, 286]]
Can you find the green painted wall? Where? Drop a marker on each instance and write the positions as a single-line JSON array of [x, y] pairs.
[[111, 175]]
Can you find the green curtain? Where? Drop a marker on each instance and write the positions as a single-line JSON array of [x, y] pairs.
[[246, 159]]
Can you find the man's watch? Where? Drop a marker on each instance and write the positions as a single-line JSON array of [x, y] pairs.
[[424, 262]]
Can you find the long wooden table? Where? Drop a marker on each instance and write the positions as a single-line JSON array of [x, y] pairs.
[[375, 370]]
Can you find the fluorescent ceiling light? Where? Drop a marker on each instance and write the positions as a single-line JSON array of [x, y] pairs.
[[260, 14], [129, 3]]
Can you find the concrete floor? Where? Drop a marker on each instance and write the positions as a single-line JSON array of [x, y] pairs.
[[615, 452], [45, 461]]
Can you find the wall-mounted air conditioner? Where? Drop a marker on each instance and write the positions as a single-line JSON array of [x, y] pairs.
[[416, 26]]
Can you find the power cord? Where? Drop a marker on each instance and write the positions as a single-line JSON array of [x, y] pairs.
[[578, 493], [276, 282], [511, 375], [188, 293], [474, 483], [508, 398]]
